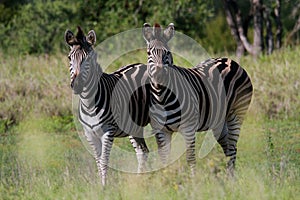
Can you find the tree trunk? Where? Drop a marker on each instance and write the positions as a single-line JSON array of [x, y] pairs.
[[277, 17], [238, 28], [294, 31], [249, 48], [234, 31], [269, 33], [296, 28], [258, 27]]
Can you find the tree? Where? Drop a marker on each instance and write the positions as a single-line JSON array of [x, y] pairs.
[[259, 13], [296, 15], [37, 26], [277, 17]]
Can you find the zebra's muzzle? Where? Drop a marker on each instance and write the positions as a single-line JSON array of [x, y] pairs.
[[73, 77], [72, 81], [77, 84]]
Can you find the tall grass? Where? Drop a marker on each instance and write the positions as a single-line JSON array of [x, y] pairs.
[[276, 80], [33, 84], [42, 157]]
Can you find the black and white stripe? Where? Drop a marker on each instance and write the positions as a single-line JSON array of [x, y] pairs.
[[111, 105], [214, 95]]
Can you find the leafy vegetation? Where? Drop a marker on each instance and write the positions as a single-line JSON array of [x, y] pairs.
[[37, 26]]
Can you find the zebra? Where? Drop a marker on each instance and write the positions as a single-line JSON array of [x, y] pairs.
[[103, 101], [213, 95]]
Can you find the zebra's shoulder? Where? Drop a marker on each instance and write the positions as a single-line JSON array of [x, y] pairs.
[[220, 63], [126, 68]]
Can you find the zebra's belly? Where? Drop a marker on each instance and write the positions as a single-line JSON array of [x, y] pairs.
[[187, 120], [174, 122], [100, 126]]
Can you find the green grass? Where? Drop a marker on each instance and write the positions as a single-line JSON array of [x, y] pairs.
[[42, 157]]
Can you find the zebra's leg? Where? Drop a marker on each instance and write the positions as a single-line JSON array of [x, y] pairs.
[[163, 140], [190, 150], [228, 139], [234, 126], [221, 136], [141, 151], [107, 142], [96, 145]]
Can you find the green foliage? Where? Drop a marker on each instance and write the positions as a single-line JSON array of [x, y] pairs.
[[112, 17], [5, 125], [38, 27], [189, 17], [214, 33], [61, 124], [34, 27]]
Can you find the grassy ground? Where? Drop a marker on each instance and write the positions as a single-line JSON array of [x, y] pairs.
[[42, 157]]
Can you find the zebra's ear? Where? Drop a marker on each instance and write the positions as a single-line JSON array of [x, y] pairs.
[[91, 37], [147, 32], [169, 32], [70, 38]]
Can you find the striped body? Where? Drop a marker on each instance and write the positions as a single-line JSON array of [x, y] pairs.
[[214, 95], [108, 102], [193, 98], [115, 100]]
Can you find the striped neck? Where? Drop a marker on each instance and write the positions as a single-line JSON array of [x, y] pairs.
[[91, 73]]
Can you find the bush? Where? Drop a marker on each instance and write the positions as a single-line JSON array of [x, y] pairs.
[[38, 27]]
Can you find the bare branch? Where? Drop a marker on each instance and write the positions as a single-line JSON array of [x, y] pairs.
[[242, 35], [295, 30], [137, 11]]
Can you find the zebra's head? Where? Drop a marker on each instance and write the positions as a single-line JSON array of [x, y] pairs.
[[80, 46], [159, 55]]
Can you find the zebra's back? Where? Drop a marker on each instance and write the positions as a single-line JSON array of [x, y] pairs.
[[236, 83], [207, 94]]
